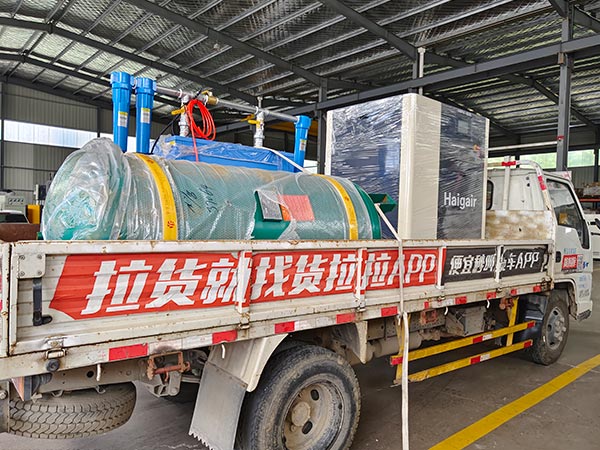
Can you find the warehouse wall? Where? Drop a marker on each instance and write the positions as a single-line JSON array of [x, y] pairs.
[[582, 176], [25, 164]]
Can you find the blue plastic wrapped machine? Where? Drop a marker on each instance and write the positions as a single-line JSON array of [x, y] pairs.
[[430, 157], [224, 153], [101, 193]]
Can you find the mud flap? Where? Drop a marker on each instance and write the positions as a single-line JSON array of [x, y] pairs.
[[217, 409]]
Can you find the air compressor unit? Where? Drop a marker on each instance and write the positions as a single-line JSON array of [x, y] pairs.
[[430, 157]]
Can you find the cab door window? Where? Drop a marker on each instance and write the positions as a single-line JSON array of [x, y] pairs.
[[566, 210]]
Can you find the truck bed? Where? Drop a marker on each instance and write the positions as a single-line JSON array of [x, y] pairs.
[[93, 302]]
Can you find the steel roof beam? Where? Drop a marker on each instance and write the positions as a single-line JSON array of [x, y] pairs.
[[372, 27], [39, 36], [51, 29], [448, 61], [540, 57], [359, 31], [474, 28], [339, 18], [493, 123], [93, 25], [552, 96], [579, 17], [70, 96], [232, 42], [405, 47], [24, 59]]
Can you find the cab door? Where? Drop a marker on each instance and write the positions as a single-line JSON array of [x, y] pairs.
[[573, 244]]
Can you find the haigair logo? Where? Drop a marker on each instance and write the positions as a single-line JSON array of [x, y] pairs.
[[459, 201]]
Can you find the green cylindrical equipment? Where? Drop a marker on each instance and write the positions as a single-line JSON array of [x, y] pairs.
[[101, 193]]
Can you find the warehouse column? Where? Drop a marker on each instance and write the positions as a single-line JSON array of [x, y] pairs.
[[596, 153], [418, 69], [2, 131], [564, 96], [322, 132], [98, 121]]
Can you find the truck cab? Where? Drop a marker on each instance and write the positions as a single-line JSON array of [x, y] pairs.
[[525, 194]]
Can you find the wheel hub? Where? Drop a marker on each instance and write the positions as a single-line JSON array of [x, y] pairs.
[[314, 418], [556, 328], [300, 414]]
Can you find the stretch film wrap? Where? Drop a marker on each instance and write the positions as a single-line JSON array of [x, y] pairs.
[[101, 193], [430, 157]]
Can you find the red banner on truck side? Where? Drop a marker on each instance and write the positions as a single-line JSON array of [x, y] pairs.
[[109, 285]]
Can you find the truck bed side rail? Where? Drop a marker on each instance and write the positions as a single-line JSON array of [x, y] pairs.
[[112, 300]]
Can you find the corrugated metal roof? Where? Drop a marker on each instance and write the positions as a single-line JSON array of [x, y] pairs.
[[310, 35]]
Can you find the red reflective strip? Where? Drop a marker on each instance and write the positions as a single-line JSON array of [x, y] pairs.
[[396, 360], [345, 318], [514, 292], [537, 289], [542, 183], [389, 311], [127, 352], [527, 344], [531, 325], [478, 339], [560, 137], [509, 163], [426, 305], [285, 327], [460, 300], [475, 359], [224, 336], [490, 295]]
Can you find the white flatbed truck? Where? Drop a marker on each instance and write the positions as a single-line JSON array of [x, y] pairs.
[[269, 329]]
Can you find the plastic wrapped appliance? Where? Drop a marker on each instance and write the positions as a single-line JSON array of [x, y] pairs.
[[429, 156], [223, 153], [101, 193]]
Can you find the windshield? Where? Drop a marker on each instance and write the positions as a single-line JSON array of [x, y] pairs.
[[12, 218]]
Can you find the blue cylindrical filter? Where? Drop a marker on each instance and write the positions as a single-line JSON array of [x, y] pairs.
[[302, 126], [121, 83], [144, 100]]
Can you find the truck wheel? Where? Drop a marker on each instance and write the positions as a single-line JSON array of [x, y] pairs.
[[74, 414], [548, 346], [308, 398]]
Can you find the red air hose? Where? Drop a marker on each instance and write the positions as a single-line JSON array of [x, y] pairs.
[[208, 130]]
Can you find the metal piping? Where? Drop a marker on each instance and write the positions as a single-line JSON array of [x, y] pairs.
[[209, 99], [516, 146]]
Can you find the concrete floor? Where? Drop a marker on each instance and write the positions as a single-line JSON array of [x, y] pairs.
[[438, 407]]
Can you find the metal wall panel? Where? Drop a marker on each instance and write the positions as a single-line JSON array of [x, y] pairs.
[[106, 123], [27, 105], [582, 176], [29, 164]]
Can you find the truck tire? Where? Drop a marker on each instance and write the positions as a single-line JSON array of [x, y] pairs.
[[74, 414], [308, 398], [549, 345]]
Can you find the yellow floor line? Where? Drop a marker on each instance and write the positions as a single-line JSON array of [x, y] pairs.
[[476, 431]]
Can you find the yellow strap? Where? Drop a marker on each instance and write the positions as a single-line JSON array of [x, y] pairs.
[[350, 212], [167, 201]]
